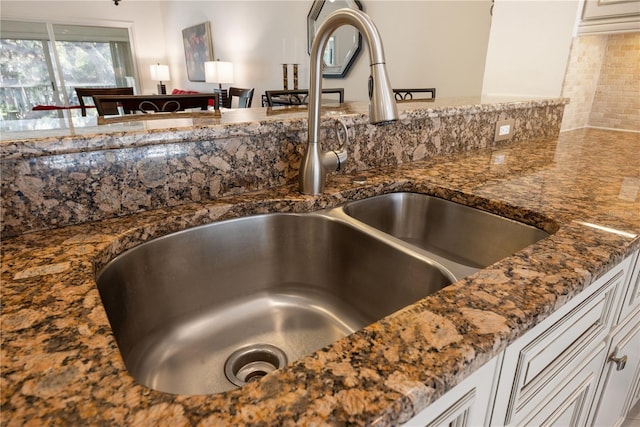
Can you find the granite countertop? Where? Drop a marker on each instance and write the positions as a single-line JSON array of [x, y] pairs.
[[19, 138], [60, 363]]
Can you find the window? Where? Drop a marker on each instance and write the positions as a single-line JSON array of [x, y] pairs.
[[330, 52], [42, 64]]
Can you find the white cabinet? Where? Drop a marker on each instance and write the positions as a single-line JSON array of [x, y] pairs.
[[568, 402], [621, 376], [631, 299], [619, 388], [550, 375], [609, 16], [464, 405]]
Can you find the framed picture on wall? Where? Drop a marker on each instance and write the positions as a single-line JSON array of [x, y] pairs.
[[197, 49]]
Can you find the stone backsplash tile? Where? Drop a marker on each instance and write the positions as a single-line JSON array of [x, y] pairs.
[[603, 82], [617, 99]]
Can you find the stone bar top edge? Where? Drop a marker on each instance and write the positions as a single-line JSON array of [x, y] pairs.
[[234, 122]]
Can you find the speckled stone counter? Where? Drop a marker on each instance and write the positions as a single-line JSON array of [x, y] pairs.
[[120, 169], [61, 366]]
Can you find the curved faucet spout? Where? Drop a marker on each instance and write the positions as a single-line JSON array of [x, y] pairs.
[[382, 105]]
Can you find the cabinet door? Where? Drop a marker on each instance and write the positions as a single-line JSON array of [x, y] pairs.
[[621, 376], [464, 405], [568, 403], [632, 298]]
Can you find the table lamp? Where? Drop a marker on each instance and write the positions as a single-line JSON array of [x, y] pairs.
[[218, 72], [160, 73]]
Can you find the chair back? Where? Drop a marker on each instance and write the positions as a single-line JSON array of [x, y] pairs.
[[153, 103], [297, 96], [86, 92], [245, 96], [407, 94]]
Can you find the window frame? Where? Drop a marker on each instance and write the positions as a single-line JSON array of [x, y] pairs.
[[54, 65]]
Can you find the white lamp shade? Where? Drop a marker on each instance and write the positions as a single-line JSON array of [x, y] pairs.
[[160, 72], [218, 72]]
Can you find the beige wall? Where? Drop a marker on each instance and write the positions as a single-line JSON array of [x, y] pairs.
[[529, 45], [433, 43], [603, 82]]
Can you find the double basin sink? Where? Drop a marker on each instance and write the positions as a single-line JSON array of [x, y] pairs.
[[214, 307]]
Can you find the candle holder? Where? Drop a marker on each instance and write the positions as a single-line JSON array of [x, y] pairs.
[[285, 76]]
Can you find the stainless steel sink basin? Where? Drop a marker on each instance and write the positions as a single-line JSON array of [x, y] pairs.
[[214, 307], [462, 238], [210, 308]]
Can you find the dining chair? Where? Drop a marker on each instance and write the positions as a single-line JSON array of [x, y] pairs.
[[153, 103], [297, 96], [245, 96], [86, 92], [407, 94]]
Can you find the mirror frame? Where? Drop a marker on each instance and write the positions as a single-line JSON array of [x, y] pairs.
[[332, 72]]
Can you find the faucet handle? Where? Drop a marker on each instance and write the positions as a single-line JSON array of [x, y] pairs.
[[341, 154], [342, 133]]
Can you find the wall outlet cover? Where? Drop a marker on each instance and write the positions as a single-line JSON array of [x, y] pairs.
[[504, 129]]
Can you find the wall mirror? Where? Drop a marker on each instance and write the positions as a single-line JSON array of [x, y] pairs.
[[344, 44]]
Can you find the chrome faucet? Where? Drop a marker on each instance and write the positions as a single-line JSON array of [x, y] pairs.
[[382, 106]]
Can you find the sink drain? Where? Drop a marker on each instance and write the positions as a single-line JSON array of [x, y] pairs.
[[253, 362]]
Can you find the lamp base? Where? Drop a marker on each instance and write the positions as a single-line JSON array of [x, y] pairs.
[[223, 97], [162, 89]]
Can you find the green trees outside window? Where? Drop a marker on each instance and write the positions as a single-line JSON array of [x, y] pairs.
[[42, 64]]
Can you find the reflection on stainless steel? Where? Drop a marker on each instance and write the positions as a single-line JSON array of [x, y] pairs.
[[182, 305], [382, 107], [461, 238]]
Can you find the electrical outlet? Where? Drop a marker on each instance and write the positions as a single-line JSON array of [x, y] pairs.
[[504, 129]]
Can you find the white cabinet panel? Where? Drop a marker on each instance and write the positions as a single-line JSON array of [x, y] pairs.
[[464, 405], [610, 16], [598, 9], [567, 404], [632, 298], [621, 376]]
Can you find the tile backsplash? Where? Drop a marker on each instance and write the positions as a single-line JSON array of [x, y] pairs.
[[603, 82]]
